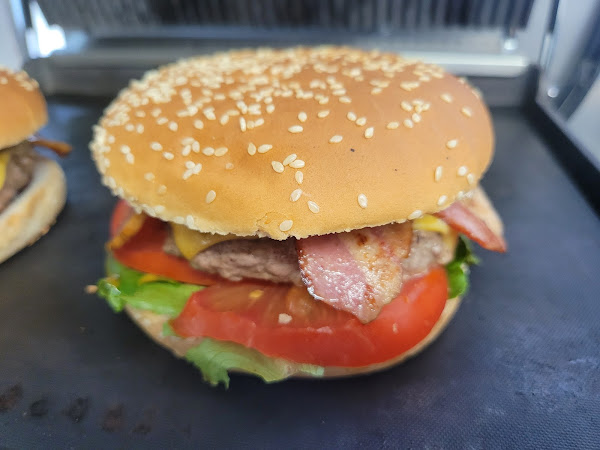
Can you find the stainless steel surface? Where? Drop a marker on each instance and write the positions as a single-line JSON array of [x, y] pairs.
[[115, 39]]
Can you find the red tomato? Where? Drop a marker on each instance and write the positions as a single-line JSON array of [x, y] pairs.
[[459, 217], [144, 251], [250, 314]]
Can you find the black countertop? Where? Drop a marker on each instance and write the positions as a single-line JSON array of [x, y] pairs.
[[518, 367]]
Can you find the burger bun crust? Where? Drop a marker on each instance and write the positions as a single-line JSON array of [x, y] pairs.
[[152, 324], [31, 213]]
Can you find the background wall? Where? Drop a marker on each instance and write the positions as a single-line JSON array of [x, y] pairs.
[[9, 50]]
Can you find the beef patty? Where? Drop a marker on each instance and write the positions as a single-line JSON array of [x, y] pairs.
[[277, 261], [19, 172]]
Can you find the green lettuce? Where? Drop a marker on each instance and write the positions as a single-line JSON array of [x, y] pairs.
[[125, 286], [215, 358], [458, 269]]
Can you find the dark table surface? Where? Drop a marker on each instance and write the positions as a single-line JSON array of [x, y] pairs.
[[518, 367]]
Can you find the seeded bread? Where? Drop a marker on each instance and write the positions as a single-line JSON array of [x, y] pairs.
[[22, 107], [295, 142]]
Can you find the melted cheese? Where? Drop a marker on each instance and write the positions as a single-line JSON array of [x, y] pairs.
[[431, 223], [190, 242], [437, 225], [4, 158]]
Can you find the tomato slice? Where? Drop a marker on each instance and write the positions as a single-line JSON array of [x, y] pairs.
[[144, 251], [285, 321], [463, 220]]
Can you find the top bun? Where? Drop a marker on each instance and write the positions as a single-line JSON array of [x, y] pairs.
[[22, 107], [295, 142]]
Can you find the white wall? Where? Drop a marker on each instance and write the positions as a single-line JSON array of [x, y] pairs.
[[9, 50]]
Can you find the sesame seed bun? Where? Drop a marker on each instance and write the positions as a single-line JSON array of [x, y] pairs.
[[30, 215], [152, 324], [22, 107], [295, 142]]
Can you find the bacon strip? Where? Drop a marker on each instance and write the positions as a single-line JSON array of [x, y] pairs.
[[129, 228], [471, 217], [359, 271], [60, 148]]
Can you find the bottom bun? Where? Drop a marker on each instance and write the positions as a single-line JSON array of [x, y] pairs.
[[152, 324], [31, 213]]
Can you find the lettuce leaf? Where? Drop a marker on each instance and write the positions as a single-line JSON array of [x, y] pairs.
[[215, 358], [458, 269], [125, 286]]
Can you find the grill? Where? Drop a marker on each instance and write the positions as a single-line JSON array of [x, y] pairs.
[[364, 16]]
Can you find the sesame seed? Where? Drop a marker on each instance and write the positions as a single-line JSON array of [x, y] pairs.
[[149, 176], [335, 139], [313, 207], [297, 164], [416, 118], [286, 225], [295, 195], [250, 124], [224, 119], [438, 173], [129, 158], [198, 124], [210, 196], [446, 97], [361, 121], [302, 116], [258, 122], [376, 91], [289, 159], [251, 148], [173, 126], [139, 128], [196, 147], [299, 177], [125, 149], [264, 148], [162, 120], [322, 114], [284, 319], [362, 200], [339, 92], [295, 129], [277, 166], [406, 106], [208, 151], [442, 200], [462, 171], [467, 111], [345, 100], [270, 108], [168, 156], [369, 132], [415, 214], [351, 116], [162, 189], [129, 127], [392, 125], [189, 220], [471, 179], [452, 143], [229, 166], [190, 164], [242, 124], [221, 151], [209, 114]]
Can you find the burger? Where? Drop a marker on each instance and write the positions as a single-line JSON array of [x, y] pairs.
[[298, 212], [32, 187]]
